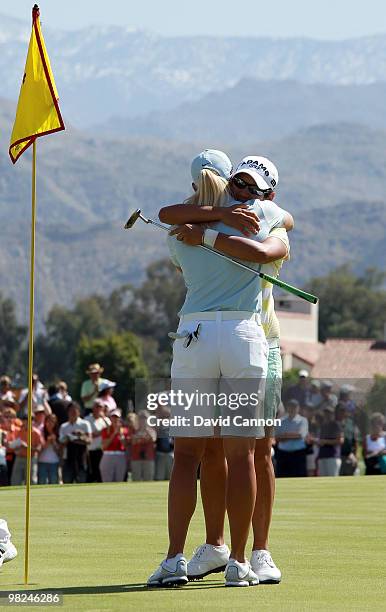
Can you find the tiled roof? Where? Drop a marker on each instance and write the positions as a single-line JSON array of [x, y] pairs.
[[308, 352], [351, 359]]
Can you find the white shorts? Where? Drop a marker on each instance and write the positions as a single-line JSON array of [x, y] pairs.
[[230, 356]]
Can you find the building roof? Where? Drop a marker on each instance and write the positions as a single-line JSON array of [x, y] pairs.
[[308, 352], [351, 359]]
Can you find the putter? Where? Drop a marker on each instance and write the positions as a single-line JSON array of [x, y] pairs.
[[138, 215], [271, 279]]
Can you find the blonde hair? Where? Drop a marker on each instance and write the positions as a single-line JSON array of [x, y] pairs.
[[212, 190]]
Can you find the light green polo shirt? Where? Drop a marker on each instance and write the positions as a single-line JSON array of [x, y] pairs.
[[214, 283]]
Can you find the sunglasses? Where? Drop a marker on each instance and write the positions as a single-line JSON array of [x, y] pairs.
[[241, 184]]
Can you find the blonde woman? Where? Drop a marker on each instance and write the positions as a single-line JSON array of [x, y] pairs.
[[212, 556], [219, 339]]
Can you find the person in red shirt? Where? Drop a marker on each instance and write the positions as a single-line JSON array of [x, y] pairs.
[[143, 449], [113, 465]]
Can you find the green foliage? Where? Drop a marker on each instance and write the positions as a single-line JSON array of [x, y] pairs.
[[12, 338], [151, 310], [56, 350], [376, 398], [350, 306], [290, 377], [333, 525], [121, 356]]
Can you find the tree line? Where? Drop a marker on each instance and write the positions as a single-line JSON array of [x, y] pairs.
[[127, 330]]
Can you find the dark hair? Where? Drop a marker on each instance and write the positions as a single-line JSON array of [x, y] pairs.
[[52, 389], [55, 428], [340, 407], [73, 405], [267, 193], [293, 403]]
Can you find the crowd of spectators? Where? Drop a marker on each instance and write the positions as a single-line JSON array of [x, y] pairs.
[[91, 442], [325, 433], [322, 433]]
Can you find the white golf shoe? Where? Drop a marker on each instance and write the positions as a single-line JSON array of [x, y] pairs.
[[7, 552], [239, 574], [208, 559], [171, 572], [264, 567]]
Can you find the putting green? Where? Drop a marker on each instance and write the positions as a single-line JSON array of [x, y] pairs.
[[98, 543]]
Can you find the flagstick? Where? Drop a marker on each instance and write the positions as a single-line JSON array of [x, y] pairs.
[[30, 366]]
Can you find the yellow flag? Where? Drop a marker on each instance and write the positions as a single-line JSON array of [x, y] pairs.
[[38, 110]]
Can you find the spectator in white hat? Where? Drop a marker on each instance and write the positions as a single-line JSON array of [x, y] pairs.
[[39, 417], [300, 391], [106, 390]]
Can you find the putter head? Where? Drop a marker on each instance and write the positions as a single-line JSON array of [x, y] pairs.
[[132, 219]]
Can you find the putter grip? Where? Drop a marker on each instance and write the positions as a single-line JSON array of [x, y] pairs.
[[299, 292]]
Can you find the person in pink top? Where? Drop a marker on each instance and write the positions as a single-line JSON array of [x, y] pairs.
[[105, 394], [49, 456]]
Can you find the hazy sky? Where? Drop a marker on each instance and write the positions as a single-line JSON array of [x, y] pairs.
[[323, 19]]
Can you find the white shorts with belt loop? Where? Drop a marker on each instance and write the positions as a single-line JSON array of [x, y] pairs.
[[227, 362]]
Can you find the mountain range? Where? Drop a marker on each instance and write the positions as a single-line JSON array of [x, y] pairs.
[[332, 178], [258, 110], [109, 71], [139, 106]]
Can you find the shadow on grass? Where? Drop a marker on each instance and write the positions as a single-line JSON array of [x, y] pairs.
[[116, 588]]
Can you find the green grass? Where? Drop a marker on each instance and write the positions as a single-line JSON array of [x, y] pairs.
[[98, 544]]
